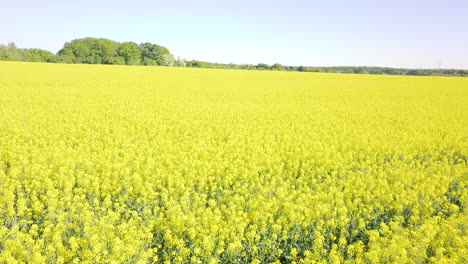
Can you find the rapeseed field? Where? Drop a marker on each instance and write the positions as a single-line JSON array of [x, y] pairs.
[[131, 164]]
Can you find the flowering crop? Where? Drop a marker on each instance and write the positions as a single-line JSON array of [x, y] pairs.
[[128, 164]]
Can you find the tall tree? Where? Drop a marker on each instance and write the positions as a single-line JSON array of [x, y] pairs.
[[130, 52], [153, 54], [38, 55], [90, 50]]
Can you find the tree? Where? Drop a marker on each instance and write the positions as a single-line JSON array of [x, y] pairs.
[[153, 54], [66, 55], [11, 52], [90, 50], [38, 55], [4, 52], [77, 50], [12, 46], [194, 64], [412, 72], [117, 60], [130, 52], [168, 60], [103, 50], [179, 62], [262, 66], [360, 70], [277, 67]]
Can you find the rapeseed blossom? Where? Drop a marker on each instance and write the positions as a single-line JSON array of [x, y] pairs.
[[128, 164]]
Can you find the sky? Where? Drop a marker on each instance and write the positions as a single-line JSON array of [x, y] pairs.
[[397, 33]]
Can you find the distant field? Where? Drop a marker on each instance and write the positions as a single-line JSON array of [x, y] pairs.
[[129, 164]]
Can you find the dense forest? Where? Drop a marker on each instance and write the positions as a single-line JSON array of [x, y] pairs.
[[94, 51], [105, 51]]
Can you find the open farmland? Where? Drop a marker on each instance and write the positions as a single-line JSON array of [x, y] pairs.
[[129, 164]]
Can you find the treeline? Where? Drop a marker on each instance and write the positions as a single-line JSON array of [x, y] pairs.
[[334, 69], [12, 53], [105, 51], [94, 51]]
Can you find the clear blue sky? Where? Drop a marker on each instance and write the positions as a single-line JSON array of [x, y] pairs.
[[397, 33]]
